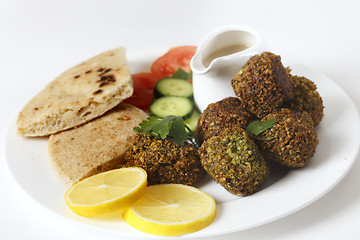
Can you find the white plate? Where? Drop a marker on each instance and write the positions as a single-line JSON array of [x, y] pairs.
[[284, 193]]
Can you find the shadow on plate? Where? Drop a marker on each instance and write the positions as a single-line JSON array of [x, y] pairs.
[[277, 172]]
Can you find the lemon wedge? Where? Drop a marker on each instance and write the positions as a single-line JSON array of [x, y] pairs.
[[171, 210], [107, 192]]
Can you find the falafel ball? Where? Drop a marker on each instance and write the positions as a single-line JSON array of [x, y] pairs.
[[220, 114], [292, 140], [164, 160], [263, 84], [234, 161], [306, 98]]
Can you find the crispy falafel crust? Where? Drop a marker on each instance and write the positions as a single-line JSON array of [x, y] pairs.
[[263, 84], [234, 161], [164, 161], [220, 114], [293, 138], [306, 98]]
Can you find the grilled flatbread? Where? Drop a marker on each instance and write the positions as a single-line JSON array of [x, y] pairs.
[[78, 95], [96, 146]]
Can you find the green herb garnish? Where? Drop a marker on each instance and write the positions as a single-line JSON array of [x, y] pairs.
[[171, 126], [180, 73], [257, 127]]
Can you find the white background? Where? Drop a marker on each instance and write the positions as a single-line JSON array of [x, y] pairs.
[[39, 39]]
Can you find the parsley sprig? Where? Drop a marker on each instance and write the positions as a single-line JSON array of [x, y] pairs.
[[257, 127], [180, 73], [171, 126]]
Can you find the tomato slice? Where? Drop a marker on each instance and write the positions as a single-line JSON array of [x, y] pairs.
[[164, 66], [143, 95], [175, 58]]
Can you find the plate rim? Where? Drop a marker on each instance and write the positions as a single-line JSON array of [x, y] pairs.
[[152, 52]]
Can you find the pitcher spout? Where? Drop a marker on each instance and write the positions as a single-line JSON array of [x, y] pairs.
[[218, 58], [197, 65]]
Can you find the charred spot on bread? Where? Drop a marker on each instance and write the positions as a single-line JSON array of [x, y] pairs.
[[107, 70], [107, 78], [103, 71], [102, 84], [97, 92]]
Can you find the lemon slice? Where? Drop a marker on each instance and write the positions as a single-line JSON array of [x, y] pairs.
[[107, 192], [171, 210]]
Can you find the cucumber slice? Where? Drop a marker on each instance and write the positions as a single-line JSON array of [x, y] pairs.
[[192, 121], [171, 105], [173, 87]]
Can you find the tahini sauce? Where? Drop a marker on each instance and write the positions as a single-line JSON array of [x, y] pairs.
[[223, 52]]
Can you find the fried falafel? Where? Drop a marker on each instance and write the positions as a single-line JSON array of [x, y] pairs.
[[234, 161], [263, 84], [306, 98], [291, 141], [164, 161], [220, 114]]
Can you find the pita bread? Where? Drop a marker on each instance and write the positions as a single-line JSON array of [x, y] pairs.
[[96, 146], [78, 95]]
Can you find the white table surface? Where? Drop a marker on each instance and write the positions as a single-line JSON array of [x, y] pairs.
[[38, 36]]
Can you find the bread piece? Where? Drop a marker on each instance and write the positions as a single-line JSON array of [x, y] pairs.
[[96, 146], [78, 95]]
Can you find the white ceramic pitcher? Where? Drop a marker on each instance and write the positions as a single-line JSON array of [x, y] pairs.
[[217, 60]]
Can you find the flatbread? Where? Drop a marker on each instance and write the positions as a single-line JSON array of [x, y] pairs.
[[78, 95], [96, 146]]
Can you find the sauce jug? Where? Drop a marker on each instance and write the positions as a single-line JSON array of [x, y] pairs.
[[217, 60]]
